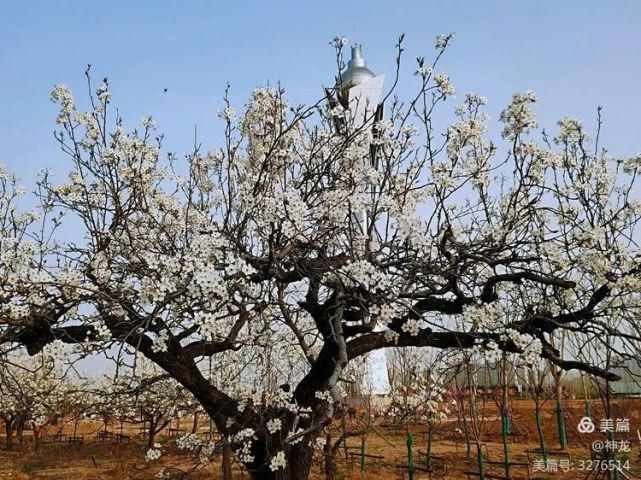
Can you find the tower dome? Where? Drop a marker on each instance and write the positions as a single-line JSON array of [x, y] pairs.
[[355, 74]]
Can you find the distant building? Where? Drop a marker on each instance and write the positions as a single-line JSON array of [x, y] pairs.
[[489, 376], [630, 384]]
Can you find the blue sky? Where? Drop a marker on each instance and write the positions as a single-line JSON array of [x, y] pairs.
[[574, 54]]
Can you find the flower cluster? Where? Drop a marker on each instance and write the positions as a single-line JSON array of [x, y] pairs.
[[444, 85], [339, 41], [154, 453], [274, 425], [278, 461], [518, 117]]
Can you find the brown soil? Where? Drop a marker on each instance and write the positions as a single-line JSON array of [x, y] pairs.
[[96, 460]]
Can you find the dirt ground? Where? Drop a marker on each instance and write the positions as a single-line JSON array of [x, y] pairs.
[[109, 460]]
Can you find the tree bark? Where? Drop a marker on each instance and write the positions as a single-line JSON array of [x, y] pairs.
[[299, 462], [151, 434], [226, 463], [298, 467], [194, 426], [329, 452], [8, 426], [37, 438], [20, 431]]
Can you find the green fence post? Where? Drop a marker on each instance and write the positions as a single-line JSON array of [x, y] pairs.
[[563, 437], [468, 445], [480, 460], [505, 426], [410, 458]]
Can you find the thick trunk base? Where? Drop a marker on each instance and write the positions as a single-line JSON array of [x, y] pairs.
[[226, 463]]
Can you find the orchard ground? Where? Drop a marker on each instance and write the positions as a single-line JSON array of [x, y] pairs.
[[96, 460]]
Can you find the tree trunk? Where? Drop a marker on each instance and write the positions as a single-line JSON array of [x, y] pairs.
[[330, 466], [194, 427], [428, 454], [505, 418], [613, 474], [588, 407], [8, 426], [299, 463], [329, 453], [37, 438], [480, 461], [226, 463], [560, 416], [151, 434], [539, 429], [20, 432]]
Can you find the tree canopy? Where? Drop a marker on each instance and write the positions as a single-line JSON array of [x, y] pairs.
[[303, 243]]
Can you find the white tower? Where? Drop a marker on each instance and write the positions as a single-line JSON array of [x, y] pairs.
[[358, 90]]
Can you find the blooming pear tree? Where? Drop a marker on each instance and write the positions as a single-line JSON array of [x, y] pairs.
[[315, 245], [11, 412], [78, 405], [112, 401], [416, 387], [158, 400], [34, 390]]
